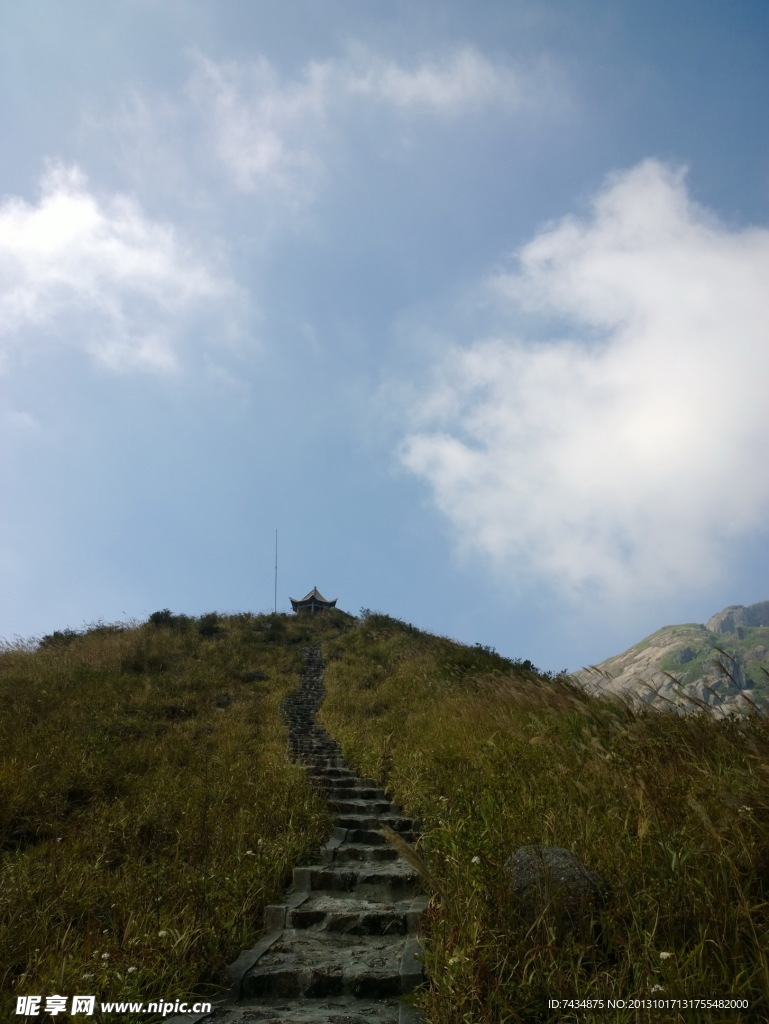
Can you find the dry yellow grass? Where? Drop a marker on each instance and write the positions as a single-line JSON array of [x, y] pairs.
[[671, 810], [149, 811]]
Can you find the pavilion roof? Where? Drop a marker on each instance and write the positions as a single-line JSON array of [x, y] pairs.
[[314, 595]]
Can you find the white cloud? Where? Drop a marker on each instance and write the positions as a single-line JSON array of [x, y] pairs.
[[626, 456], [261, 129], [271, 132], [98, 274], [454, 83], [18, 422]]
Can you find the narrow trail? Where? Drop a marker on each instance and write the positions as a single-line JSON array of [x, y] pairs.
[[343, 946]]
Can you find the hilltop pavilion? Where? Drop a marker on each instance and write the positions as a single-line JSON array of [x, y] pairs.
[[312, 602]]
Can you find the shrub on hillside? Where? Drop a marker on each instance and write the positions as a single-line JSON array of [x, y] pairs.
[[59, 638], [208, 625], [165, 619]]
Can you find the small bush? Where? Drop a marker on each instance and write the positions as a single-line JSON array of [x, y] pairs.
[[162, 619], [209, 625], [165, 619], [59, 638]]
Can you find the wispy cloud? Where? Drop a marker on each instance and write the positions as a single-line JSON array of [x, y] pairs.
[[95, 272], [624, 456], [268, 130], [262, 129], [454, 83]]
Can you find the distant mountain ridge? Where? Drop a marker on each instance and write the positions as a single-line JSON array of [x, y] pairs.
[[723, 664]]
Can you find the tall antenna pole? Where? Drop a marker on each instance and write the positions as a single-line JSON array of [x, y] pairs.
[[275, 608]]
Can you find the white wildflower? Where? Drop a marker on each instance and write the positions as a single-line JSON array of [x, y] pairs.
[[476, 860], [665, 956]]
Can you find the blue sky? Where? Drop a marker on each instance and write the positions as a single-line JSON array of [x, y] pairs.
[[469, 301]]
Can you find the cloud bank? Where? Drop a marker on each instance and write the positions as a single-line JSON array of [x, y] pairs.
[[98, 274], [625, 456]]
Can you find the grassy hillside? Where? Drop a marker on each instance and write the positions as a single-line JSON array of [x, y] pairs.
[[670, 810], [149, 813]]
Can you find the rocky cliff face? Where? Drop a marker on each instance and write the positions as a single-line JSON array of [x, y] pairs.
[[737, 616], [723, 664]]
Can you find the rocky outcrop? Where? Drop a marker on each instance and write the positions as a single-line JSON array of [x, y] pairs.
[[721, 666], [731, 619]]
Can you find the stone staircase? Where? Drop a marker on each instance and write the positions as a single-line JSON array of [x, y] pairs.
[[344, 945]]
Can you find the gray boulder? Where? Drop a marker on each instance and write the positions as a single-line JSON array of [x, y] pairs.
[[550, 878]]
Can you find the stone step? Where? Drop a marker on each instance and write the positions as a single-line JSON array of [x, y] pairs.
[[330, 777], [374, 821], [349, 914], [337, 784], [302, 963], [363, 851], [315, 757], [373, 837], [371, 805], [334, 785], [337, 773], [391, 875], [367, 793]]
